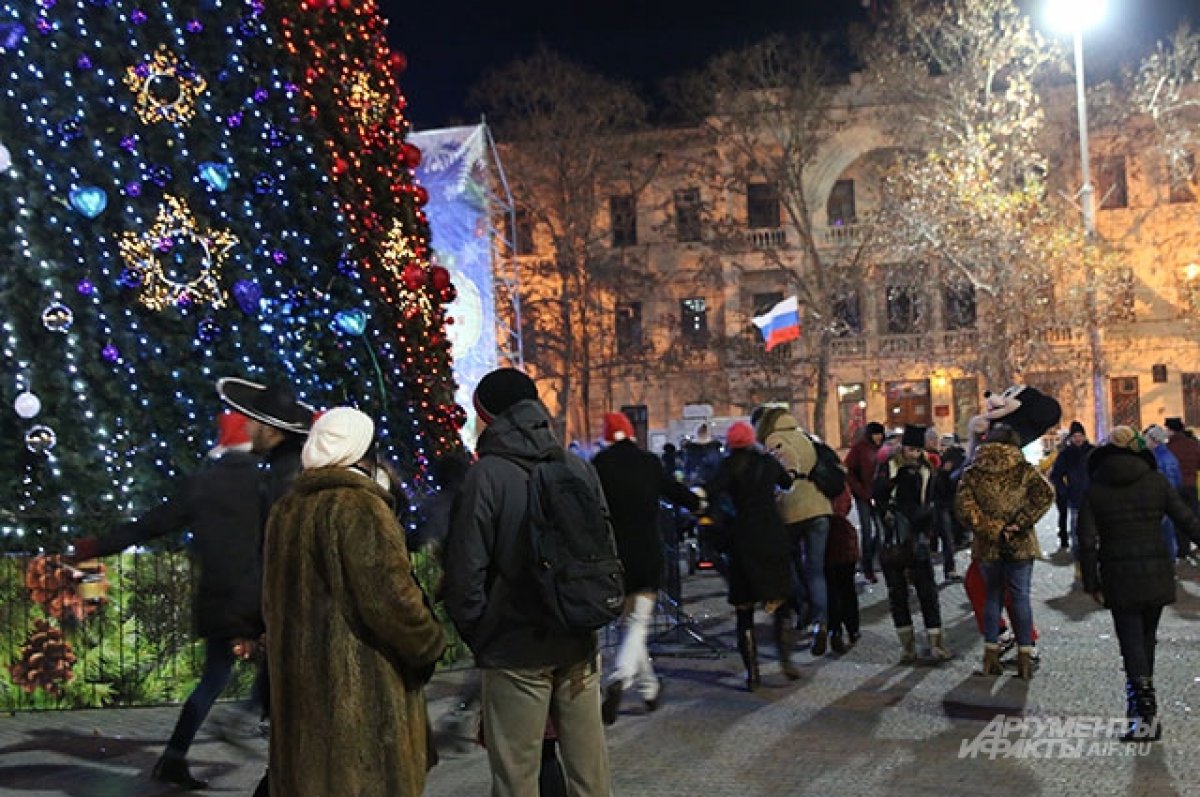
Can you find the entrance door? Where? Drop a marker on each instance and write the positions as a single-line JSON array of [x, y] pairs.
[[1126, 403], [1191, 399], [908, 402]]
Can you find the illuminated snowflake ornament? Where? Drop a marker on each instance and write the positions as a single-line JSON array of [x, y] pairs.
[[166, 88]]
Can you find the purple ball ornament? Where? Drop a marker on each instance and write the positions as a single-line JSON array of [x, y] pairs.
[[208, 330], [85, 287], [260, 95], [194, 26], [43, 26], [247, 293], [279, 256], [138, 16], [110, 353], [129, 279], [129, 143], [133, 189], [83, 62], [234, 120]]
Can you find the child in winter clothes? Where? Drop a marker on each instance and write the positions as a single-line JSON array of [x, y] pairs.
[[841, 557]]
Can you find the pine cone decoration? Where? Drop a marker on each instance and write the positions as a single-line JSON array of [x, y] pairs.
[[53, 585], [46, 662]]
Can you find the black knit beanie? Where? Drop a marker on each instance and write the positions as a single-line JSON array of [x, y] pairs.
[[501, 389]]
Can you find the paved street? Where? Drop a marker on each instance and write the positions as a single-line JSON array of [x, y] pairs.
[[853, 725]]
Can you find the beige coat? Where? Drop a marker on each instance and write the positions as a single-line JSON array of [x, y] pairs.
[[782, 436], [1000, 488], [350, 643]]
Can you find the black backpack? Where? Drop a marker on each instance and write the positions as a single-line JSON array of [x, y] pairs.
[[575, 568], [827, 474]]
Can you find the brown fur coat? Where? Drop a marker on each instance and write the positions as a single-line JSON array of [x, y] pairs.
[[350, 643], [1000, 488]]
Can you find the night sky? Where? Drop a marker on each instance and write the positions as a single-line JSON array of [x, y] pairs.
[[450, 43]]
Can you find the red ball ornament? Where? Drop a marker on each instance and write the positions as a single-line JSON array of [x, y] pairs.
[[398, 61], [340, 166], [458, 416], [413, 277], [420, 195], [449, 294], [412, 155], [439, 278]]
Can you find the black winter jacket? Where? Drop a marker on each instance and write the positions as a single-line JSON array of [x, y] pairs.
[[488, 553], [1121, 547], [633, 481], [219, 504]]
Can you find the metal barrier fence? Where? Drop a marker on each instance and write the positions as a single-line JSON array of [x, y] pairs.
[[121, 636]]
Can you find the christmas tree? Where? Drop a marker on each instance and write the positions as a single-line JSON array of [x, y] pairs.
[[196, 189]]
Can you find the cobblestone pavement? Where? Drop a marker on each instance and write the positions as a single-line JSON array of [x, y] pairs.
[[857, 724]]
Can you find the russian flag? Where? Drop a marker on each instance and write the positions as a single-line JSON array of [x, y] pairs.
[[781, 323]]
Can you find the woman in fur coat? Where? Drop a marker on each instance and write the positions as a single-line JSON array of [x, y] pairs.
[[351, 640], [1000, 498]]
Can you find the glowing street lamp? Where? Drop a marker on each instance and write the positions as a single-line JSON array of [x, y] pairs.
[[1074, 17]]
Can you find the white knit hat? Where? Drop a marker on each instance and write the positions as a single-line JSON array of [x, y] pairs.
[[338, 439]]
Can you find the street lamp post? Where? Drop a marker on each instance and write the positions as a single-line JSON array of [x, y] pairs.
[[1075, 16]]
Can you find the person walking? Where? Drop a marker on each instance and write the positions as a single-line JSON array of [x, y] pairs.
[[634, 480], [841, 557], [1156, 438], [806, 513], [903, 506], [760, 569], [861, 462], [277, 425], [219, 505], [1001, 497], [530, 671], [351, 638], [1186, 449], [1070, 475], [1125, 563]]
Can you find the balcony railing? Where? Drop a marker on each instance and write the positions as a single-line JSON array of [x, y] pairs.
[[1057, 334], [960, 340], [847, 347], [841, 235], [905, 345], [772, 238]]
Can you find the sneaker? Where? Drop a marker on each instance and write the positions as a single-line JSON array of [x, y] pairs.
[[612, 702]]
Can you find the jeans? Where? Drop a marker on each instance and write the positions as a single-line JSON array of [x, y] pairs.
[[869, 535], [843, 598], [218, 668], [1016, 576], [809, 539], [1073, 530], [516, 704], [632, 667], [1136, 631], [897, 576]]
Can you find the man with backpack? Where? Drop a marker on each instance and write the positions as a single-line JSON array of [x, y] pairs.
[[528, 510], [806, 509]]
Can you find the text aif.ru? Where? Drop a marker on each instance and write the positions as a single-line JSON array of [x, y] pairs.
[[1056, 737]]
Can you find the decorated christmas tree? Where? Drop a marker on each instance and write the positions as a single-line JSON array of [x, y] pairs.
[[195, 189]]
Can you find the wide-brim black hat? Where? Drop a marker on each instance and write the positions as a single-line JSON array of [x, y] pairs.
[[274, 405]]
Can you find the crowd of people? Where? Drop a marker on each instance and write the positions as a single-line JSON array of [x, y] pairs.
[[305, 567]]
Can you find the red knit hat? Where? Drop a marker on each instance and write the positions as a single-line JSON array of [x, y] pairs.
[[617, 427], [740, 435]]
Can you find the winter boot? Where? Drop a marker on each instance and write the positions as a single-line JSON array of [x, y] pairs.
[[749, 650], [819, 639], [748, 647], [172, 767], [908, 644], [991, 659], [837, 644], [1146, 726], [784, 640], [1025, 662], [937, 646]]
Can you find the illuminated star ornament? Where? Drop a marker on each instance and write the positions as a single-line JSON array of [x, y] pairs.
[[168, 238], [166, 88]]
